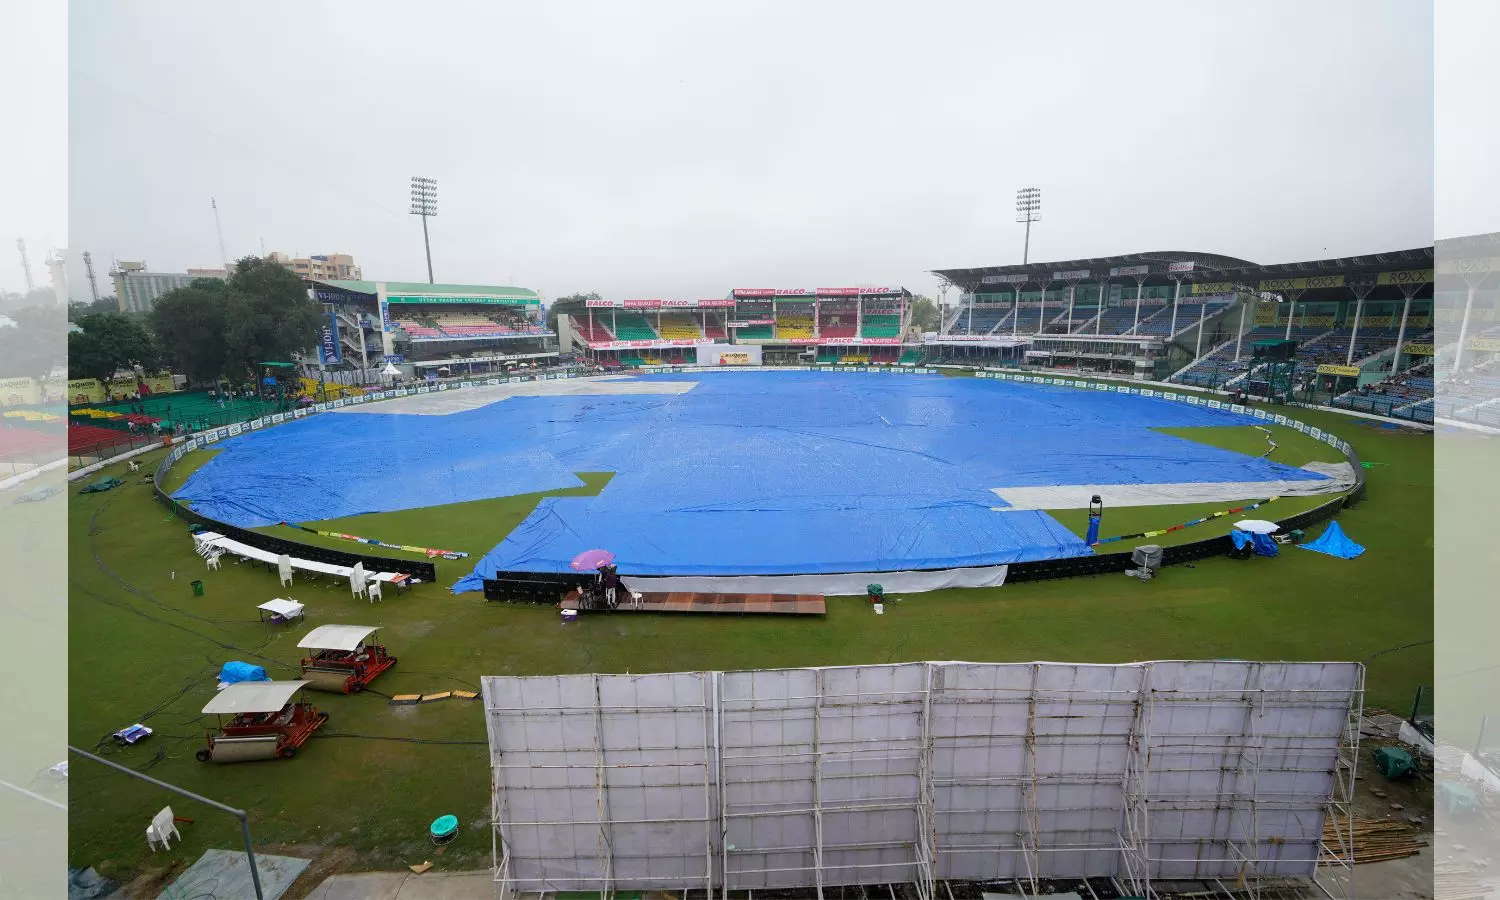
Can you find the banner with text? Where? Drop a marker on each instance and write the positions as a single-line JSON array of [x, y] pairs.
[[1300, 284]]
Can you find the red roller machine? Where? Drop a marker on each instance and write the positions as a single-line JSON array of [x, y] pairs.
[[264, 722], [345, 658]]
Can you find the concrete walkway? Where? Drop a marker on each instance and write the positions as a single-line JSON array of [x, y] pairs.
[[407, 886]]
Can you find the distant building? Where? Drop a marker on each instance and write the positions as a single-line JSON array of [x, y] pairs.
[[137, 290], [329, 266]]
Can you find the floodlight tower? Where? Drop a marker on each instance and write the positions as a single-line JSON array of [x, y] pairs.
[[1028, 210], [424, 204]]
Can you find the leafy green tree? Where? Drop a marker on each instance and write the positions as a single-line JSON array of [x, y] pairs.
[[573, 303], [35, 345], [212, 329], [189, 324], [108, 343], [924, 313], [78, 309]]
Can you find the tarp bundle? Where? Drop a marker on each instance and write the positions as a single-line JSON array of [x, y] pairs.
[[235, 672], [1334, 542], [1263, 544], [102, 484]]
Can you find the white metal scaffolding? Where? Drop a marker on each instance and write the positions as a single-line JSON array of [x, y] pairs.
[[918, 773]]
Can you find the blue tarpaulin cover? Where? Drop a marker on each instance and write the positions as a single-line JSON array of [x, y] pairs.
[[1334, 542], [743, 473], [1262, 543], [235, 672]]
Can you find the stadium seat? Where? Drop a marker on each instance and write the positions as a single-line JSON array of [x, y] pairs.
[[633, 327], [595, 332], [880, 325], [679, 327], [794, 326]]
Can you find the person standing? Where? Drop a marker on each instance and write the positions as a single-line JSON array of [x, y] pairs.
[[609, 577]]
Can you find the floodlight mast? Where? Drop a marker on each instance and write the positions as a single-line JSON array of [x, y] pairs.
[[1028, 210], [424, 204]]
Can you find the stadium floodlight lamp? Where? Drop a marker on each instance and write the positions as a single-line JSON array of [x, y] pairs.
[[1029, 205], [1028, 210], [424, 204]]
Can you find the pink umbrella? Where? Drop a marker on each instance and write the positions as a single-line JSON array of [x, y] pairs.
[[591, 559]]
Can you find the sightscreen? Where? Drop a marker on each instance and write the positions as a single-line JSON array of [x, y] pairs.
[[917, 772]]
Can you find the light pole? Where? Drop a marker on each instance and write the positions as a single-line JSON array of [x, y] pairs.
[[1028, 210], [424, 204]]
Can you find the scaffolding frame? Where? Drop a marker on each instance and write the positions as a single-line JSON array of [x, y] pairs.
[[918, 773]]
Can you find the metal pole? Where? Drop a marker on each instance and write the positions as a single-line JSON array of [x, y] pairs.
[[1401, 334], [1359, 312], [971, 312], [240, 814], [1291, 314], [1026, 250], [1041, 318], [1202, 318], [1103, 295], [428, 245], [1176, 292], [1072, 288], [1015, 317], [1239, 337], [1463, 326], [1140, 287]]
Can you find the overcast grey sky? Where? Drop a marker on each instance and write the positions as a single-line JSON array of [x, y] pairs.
[[681, 149]]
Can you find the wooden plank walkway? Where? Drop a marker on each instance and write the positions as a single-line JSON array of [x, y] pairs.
[[725, 604]]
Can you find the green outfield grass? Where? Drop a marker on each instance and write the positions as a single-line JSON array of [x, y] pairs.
[[144, 648]]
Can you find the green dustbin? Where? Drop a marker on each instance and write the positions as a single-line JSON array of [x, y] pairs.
[[197, 589], [1393, 762]]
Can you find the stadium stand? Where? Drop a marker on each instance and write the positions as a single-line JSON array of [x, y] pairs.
[[984, 321], [633, 327], [912, 357], [713, 327], [881, 325], [420, 330], [595, 332], [794, 326], [839, 322], [1116, 320], [1407, 395], [1188, 315], [754, 332], [679, 327]]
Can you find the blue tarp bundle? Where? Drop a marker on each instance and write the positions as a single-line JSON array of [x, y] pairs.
[[744, 473], [1262, 543], [1334, 542], [235, 672]]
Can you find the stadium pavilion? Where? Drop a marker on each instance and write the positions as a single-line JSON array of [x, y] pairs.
[[425, 328], [1191, 317], [855, 325]]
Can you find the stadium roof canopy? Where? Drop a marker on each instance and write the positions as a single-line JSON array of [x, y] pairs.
[[1209, 267], [422, 288]]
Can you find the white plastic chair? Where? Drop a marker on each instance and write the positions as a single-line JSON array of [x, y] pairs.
[[161, 828], [373, 589], [213, 560]]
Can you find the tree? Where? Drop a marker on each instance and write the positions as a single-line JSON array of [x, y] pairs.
[[270, 315], [212, 329], [108, 343], [35, 345], [78, 309], [189, 324], [569, 304], [924, 313]]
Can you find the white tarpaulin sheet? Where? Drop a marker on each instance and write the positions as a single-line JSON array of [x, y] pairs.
[[839, 585], [915, 772]]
